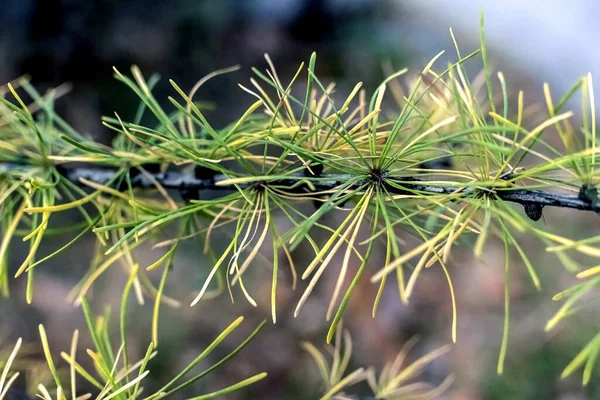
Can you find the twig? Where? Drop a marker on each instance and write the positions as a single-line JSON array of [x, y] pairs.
[[532, 200]]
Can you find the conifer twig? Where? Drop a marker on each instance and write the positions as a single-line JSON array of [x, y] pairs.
[[532, 200]]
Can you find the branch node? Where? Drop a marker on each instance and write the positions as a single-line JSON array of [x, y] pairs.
[[205, 173], [533, 210], [316, 168], [588, 193], [378, 176]]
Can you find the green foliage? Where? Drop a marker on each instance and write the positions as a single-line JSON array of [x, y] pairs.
[[282, 153], [115, 375]]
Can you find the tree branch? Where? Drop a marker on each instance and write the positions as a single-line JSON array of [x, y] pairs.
[[532, 200]]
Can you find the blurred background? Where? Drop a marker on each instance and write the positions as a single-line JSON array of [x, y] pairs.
[[532, 41]]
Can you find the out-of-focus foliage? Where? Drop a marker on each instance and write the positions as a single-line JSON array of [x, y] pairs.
[[115, 375], [396, 381]]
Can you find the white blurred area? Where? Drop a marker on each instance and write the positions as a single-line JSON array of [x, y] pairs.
[[554, 41]]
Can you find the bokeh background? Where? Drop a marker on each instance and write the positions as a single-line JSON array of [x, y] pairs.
[[532, 41]]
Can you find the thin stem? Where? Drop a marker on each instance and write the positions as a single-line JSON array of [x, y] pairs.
[[299, 183]]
